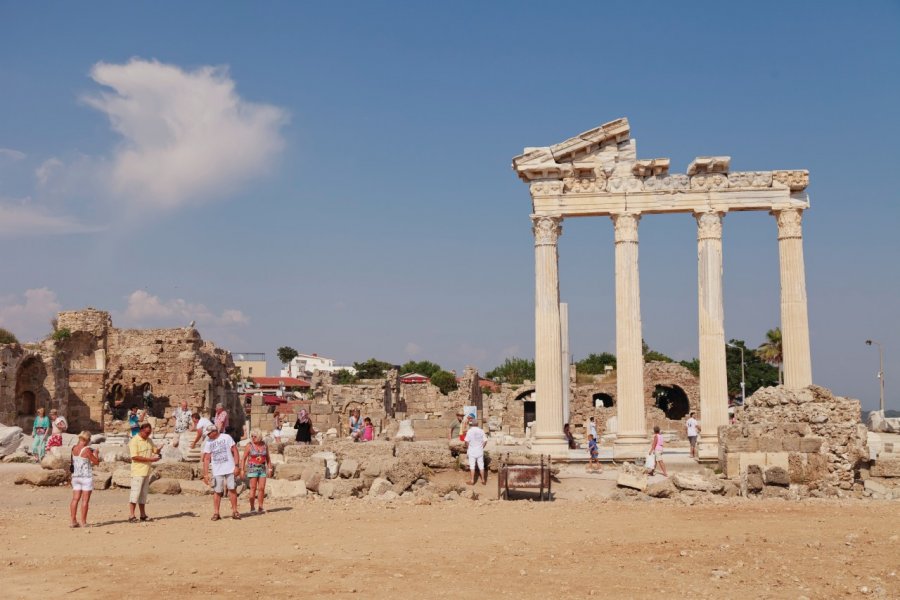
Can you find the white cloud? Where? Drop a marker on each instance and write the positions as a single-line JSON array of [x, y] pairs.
[[29, 319], [145, 308], [10, 154], [186, 135], [22, 218], [46, 170]]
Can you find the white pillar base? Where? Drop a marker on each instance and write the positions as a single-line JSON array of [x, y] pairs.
[[708, 447], [629, 447], [555, 447]]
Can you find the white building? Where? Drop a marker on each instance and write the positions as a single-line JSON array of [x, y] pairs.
[[304, 365]]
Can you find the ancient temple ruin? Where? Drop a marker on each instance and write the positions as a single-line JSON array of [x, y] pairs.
[[598, 173], [91, 370]]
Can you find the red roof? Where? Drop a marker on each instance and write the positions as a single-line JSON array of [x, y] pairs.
[[274, 382], [273, 400]]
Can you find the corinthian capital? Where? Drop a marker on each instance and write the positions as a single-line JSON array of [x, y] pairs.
[[626, 227], [546, 230], [789, 223], [709, 225]]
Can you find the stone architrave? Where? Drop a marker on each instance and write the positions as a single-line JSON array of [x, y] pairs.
[[548, 344], [631, 440], [794, 318], [713, 374]]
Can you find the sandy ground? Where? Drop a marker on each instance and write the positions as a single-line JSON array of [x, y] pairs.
[[574, 548]]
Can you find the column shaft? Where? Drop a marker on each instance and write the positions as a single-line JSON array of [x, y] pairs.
[[713, 373], [548, 344], [631, 439], [794, 318], [564, 338]]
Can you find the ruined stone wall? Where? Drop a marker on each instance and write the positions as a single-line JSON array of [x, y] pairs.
[[815, 436]]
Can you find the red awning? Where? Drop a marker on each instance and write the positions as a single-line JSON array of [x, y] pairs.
[[273, 400]]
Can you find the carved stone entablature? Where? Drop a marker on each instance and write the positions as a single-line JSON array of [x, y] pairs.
[[585, 143], [549, 187], [709, 225], [567, 158], [709, 181], [546, 230], [584, 185], [626, 227], [619, 185], [789, 223], [667, 183], [709, 164], [794, 180], [747, 179], [645, 167]]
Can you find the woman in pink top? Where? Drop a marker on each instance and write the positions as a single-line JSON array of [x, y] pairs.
[[368, 433], [656, 449]]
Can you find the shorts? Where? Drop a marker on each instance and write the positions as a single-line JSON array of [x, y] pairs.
[[83, 484], [254, 471], [657, 454], [479, 460], [139, 488], [693, 440], [220, 482]]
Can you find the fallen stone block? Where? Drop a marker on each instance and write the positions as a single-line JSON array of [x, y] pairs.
[[777, 476], [44, 477], [877, 487], [886, 467], [349, 469], [174, 470], [10, 439], [56, 460], [697, 482], [195, 487], [114, 453], [121, 478], [284, 489], [291, 471], [379, 487], [102, 480], [662, 489], [811, 444], [435, 455], [326, 489], [405, 432], [752, 480], [165, 486], [403, 473], [18, 456], [633, 481]]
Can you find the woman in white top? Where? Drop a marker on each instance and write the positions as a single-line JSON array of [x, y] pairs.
[[83, 461]]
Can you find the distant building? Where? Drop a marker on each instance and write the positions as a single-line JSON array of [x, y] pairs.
[[414, 378], [278, 390], [251, 364], [304, 365]]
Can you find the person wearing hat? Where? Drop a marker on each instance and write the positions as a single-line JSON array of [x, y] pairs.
[[220, 453], [476, 440], [457, 424]]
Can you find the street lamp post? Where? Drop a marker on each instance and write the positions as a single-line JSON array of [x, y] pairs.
[[880, 369], [743, 382]]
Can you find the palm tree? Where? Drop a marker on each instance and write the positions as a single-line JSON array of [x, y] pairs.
[[770, 351]]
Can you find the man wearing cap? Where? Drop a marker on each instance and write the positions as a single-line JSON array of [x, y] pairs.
[[476, 440], [220, 453], [143, 454]]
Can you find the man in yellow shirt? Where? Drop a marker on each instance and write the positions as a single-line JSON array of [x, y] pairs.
[[143, 454]]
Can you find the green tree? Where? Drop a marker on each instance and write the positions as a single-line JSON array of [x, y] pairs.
[[692, 365], [344, 377], [513, 370], [595, 364], [653, 355], [424, 367], [286, 354], [770, 351], [372, 368], [757, 373], [7, 337], [445, 381], [62, 334]]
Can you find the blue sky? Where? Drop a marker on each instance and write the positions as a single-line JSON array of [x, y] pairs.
[[350, 190]]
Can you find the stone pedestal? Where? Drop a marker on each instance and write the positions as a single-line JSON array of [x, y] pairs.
[[794, 319], [713, 373], [631, 440], [548, 436]]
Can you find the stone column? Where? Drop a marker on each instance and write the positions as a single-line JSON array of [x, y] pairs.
[[631, 440], [564, 338], [794, 319], [713, 374], [548, 435]]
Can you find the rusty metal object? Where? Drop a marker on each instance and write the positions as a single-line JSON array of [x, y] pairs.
[[524, 477]]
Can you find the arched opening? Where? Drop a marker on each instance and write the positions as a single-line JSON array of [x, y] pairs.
[[30, 390], [672, 400], [602, 400], [529, 407], [26, 406]]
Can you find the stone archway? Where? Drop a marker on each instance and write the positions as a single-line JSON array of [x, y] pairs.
[[529, 407], [31, 392], [672, 400], [602, 400]]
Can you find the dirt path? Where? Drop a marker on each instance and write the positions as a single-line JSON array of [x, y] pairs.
[[356, 548]]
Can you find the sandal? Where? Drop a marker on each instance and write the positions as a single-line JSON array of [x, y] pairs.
[[147, 519], [236, 516], [74, 526], [261, 511], [132, 519], [216, 517]]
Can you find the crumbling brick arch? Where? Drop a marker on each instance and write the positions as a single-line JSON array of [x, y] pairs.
[[31, 391]]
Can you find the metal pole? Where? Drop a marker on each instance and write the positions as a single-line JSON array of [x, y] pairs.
[[743, 381], [880, 369]]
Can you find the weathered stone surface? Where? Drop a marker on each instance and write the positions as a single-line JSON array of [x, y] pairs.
[[293, 471], [635, 481], [777, 476], [300, 452], [10, 439], [122, 478], [18, 456], [170, 453], [403, 473], [277, 488], [877, 487], [102, 480], [435, 455], [56, 460], [811, 444], [753, 481], [114, 453], [349, 468], [326, 489], [662, 489], [379, 487], [886, 467], [44, 477], [405, 432], [174, 470], [165, 486], [196, 487], [697, 482]]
